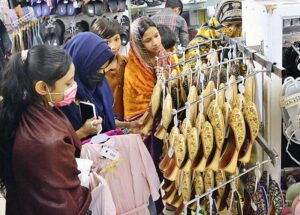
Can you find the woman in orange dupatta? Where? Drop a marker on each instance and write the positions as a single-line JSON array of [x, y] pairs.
[[140, 79], [140, 75]]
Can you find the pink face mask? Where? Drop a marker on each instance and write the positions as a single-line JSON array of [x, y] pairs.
[[69, 96]]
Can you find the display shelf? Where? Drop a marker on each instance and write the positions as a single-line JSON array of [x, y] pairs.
[[186, 7]]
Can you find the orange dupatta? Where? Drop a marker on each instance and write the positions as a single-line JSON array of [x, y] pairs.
[[138, 88], [140, 77]]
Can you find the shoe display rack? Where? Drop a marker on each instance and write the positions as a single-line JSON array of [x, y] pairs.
[[218, 130]]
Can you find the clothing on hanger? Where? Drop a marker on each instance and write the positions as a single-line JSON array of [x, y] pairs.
[[132, 177]]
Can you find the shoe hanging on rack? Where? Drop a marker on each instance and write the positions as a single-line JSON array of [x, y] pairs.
[[113, 6], [121, 5], [153, 3], [125, 23], [100, 8]]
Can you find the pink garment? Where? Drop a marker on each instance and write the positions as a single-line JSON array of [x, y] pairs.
[[117, 131], [296, 206], [133, 179], [102, 202], [286, 211]]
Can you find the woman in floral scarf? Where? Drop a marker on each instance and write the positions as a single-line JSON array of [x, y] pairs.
[[140, 79]]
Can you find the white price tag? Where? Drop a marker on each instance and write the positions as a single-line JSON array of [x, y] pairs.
[[170, 152], [109, 153]]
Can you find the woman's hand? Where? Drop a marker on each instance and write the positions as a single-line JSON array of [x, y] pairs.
[[136, 126], [90, 127]]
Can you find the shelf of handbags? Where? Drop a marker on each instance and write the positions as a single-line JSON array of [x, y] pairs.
[[215, 137]]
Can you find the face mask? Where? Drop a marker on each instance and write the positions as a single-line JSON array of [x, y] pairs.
[[69, 96], [96, 79]]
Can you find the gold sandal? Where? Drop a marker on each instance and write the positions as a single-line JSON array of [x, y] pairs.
[[210, 87], [234, 102], [193, 144], [209, 180], [237, 133], [180, 158], [250, 89], [174, 89], [166, 117], [192, 97], [252, 126], [207, 140], [223, 191], [186, 127], [154, 106], [217, 121], [163, 165]]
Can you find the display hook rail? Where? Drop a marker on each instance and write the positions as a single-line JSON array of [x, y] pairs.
[[182, 50], [200, 98], [195, 58], [26, 18], [208, 67], [258, 165], [254, 55]]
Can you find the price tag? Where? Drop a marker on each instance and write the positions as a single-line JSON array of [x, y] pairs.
[[170, 152], [109, 153]]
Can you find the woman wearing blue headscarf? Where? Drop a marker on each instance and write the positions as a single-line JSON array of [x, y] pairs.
[[91, 57]]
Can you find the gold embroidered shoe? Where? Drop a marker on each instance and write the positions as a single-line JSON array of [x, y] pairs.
[[163, 165], [180, 150], [209, 180], [167, 185], [207, 140], [250, 89], [223, 191], [184, 89], [210, 87], [178, 201], [198, 183], [193, 108], [174, 89], [166, 118], [154, 105], [186, 127], [217, 121], [221, 96], [220, 179], [234, 92], [199, 121], [172, 170], [165, 145], [252, 126], [237, 133], [193, 144], [169, 196], [185, 185]]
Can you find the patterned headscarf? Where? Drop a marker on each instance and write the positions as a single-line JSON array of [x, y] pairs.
[[229, 11], [139, 49]]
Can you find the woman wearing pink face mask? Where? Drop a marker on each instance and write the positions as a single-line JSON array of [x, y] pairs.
[[38, 145]]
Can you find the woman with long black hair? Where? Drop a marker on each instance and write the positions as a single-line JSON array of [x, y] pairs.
[[38, 171]]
